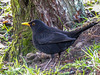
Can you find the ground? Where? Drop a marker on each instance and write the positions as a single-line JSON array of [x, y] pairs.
[[86, 39]]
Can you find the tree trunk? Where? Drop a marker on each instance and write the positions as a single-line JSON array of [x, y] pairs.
[[55, 13]]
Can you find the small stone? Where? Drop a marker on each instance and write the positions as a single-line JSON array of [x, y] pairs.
[[79, 44], [1, 45]]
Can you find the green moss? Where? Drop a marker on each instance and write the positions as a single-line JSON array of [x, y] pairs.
[[22, 35]]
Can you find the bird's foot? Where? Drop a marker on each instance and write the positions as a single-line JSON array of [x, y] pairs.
[[47, 64]]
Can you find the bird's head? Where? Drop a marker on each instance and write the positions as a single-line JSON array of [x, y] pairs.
[[36, 25], [33, 23]]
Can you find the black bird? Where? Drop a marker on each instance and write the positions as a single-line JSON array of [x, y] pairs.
[[51, 40]]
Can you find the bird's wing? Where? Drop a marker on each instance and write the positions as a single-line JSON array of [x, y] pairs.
[[55, 37]]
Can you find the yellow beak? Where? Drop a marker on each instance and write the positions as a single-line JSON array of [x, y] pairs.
[[26, 23]]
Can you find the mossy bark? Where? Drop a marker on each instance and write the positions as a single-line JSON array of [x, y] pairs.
[[22, 36], [52, 12]]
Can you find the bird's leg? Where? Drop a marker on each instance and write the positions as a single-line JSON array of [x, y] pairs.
[[52, 56], [57, 59]]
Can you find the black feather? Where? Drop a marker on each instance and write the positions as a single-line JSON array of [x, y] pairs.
[[51, 40]]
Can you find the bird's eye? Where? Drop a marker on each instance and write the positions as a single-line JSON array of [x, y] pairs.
[[33, 23]]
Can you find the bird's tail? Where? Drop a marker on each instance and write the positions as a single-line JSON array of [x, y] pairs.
[[77, 32]]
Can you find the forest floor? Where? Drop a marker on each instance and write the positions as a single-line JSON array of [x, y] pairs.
[[72, 61]]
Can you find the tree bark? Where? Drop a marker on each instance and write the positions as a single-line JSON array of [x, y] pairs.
[[55, 13]]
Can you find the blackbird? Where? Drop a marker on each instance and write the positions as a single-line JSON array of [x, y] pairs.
[[51, 40]]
